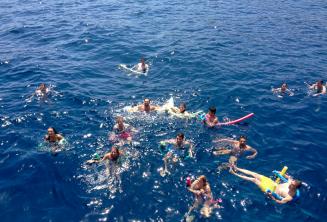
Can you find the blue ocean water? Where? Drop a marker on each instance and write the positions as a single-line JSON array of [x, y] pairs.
[[214, 52]]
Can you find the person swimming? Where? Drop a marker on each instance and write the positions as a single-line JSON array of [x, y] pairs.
[[144, 107], [319, 87], [42, 90], [113, 156], [283, 90], [210, 118], [202, 195], [121, 131], [287, 191], [141, 66], [53, 138], [238, 148], [179, 147]]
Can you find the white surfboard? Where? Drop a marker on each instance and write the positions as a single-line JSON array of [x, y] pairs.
[[133, 71]]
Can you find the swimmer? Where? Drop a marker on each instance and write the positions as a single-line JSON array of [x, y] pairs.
[[319, 87], [141, 67], [144, 107], [239, 147], [211, 119], [41, 90], [203, 195], [121, 131], [113, 156], [283, 90], [286, 190], [180, 147], [181, 111], [53, 137]]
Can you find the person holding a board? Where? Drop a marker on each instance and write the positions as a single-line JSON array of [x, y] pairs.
[[141, 66]]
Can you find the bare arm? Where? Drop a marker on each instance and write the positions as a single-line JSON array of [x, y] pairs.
[[254, 152], [225, 140], [282, 201], [190, 150]]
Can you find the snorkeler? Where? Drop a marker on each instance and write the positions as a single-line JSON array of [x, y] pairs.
[[121, 131], [283, 89], [203, 195], [144, 107], [286, 191], [141, 66], [319, 87], [239, 147], [113, 156], [178, 149], [210, 119]]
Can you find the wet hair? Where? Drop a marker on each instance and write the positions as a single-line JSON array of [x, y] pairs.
[[320, 81], [115, 157], [181, 135], [204, 179], [212, 109], [298, 184], [242, 137], [183, 105], [54, 130], [119, 118]]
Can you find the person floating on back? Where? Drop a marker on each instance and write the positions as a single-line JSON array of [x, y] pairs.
[[282, 193]]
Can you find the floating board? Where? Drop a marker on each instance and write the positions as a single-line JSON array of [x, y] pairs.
[[202, 117], [127, 69]]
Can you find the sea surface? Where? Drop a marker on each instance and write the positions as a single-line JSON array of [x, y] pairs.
[[215, 52]]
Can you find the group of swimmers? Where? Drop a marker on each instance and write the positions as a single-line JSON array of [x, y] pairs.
[[122, 134], [318, 88]]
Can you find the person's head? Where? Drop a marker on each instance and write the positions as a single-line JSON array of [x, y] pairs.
[[284, 87], [182, 107], [203, 180], [295, 184], [212, 111], [52, 131], [179, 138], [146, 102], [242, 140], [114, 152], [320, 83], [42, 87], [142, 61], [120, 120]]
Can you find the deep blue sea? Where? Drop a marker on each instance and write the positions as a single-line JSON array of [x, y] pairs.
[[214, 52]]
